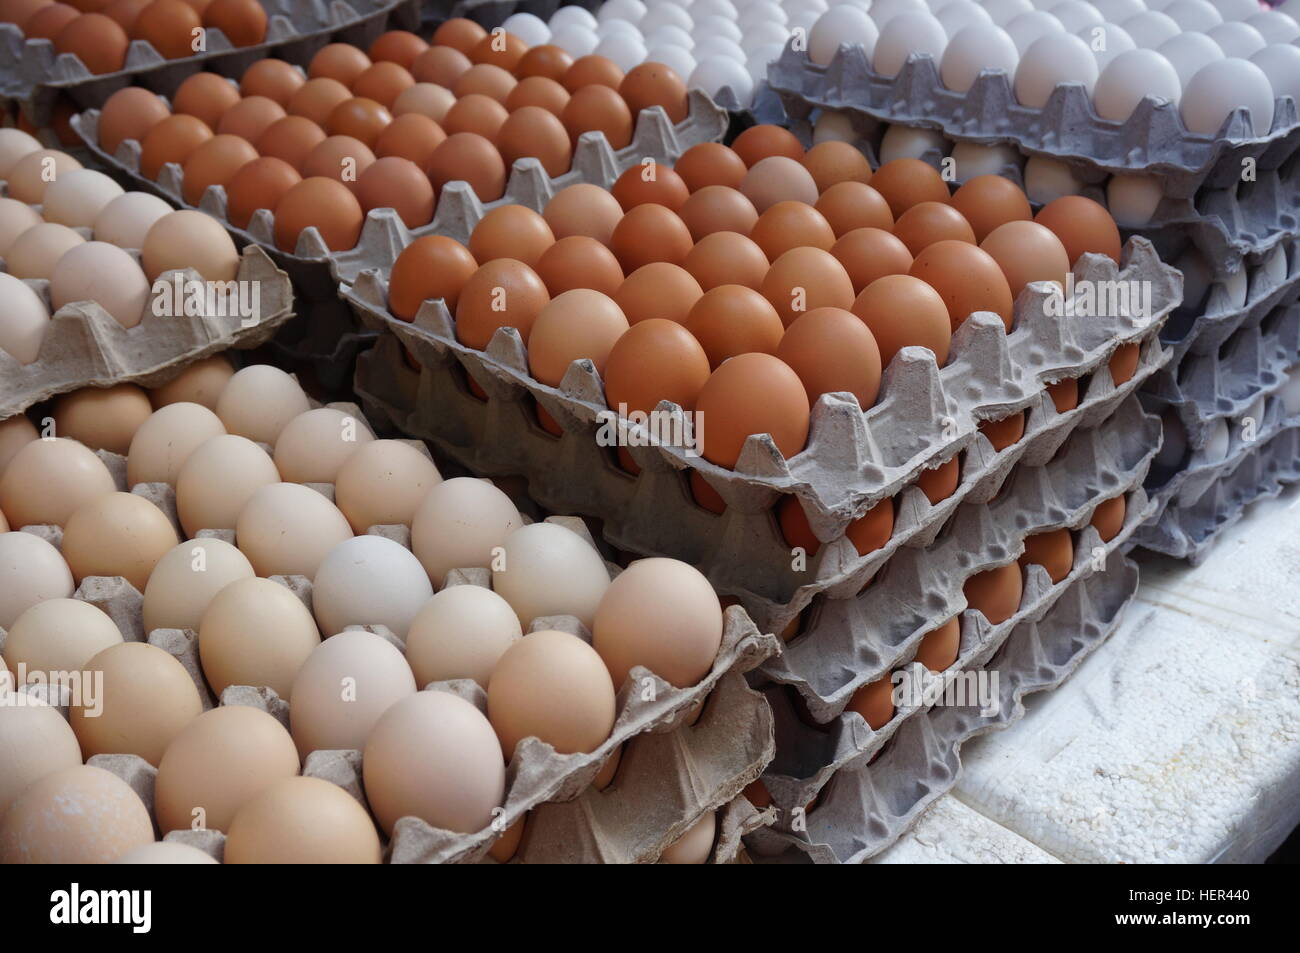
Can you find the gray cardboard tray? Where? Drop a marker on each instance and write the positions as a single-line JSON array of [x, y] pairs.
[[34, 74], [85, 346], [867, 805], [1153, 139]]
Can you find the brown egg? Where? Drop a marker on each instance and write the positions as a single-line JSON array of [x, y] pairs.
[[852, 205], [726, 258], [869, 254], [592, 69], [317, 98], [988, 201], [967, 278], [732, 319], [410, 136], [360, 118], [171, 140], [129, 114], [124, 12], [1053, 550], [501, 293], [259, 184], [242, 21], [425, 99], [117, 534], [1123, 363], [583, 209], [169, 26], [778, 179], [532, 131], [47, 22], [1108, 517], [654, 84], [442, 65], [18, 12], [397, 46], [718, 208], [324, 203], [788, 225], [655, 360], [658, 290], [928, 222], [485, 80], [1005, 431], [458, 33], [906, 182], [1027, 251], [1064, 394], [538, 91], [499, 48], [1082, 225], [215, 162], [548, 60], [760, 142], [832, 162], [650, 233], [207, 96], [579, 262], [903, 311], [648, 182], [572, 326], [939, 483], [874, 702], [831, 350], [803, 279], [710, 163], [939, 647], [995, 592], [430, 267], [274, 79], [250, 117], [383, 82], [467, 157], [396, 183], [868, 532], [598, 108], [97, 41], [752, 394], [338, 61], [102, 418], [341, 158], [478, 114], [291, 139], [511, 231]]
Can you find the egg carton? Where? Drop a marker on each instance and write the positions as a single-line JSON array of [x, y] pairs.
[[85, 346], [866, 805], [855, 640], [1067, 127], [295, 31]]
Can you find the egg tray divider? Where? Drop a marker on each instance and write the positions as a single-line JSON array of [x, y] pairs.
[[866, 807], [295, 31], [85, 346], [851, 642]]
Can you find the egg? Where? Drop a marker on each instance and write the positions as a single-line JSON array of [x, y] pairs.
[[359, 117], [995, 592], [440, 65], [171, 139], [1082, 225], [302, 820], [832, 350], [76, 815], [165, 441], [788, 225], [201, 383], [874, 702], [731, 319], [1052, 59], [341, 62], [291, 138], [383, 83], [342, 690], [320, 203], [206, 96], [430, 268], [648, 182], [1225, 85], [32, 571], [316, 99], [803, 279], [649, 233], [752, 394], [548, 570], [487, 83], [1027, 251], [1108, 517], [14, 145], [460, 632], [847, 206], [116, 534], [34, 254], [399, 184], [424, 99], [126, 220], [470, 158], [15, 218], [47, 21], [288, 529], [186, 579], [718, 208], [778, 178], [259, 184], [166, 852], [539, 91], [585, 210], [99, 42], [258, 401], [695, 845], [654, 84], [531, 131], [31, 175], [902, 311], [383, 483], [575, 325], [763, 141], [411, 136], [103, 418], [58, 635], [511, 231], [593, 69], [397, 46], [104, 274], [15, 433], [967, 278], [75, 198], [48, 479], [189, 239], [1004, 431], [867, 533], [215, 162], [369, 580], [504, 292], [169, 26], [658, 290], [37, 742], [24, 325], [726, 258], [255, 632], [987, 201], [939, 647], [544, 60], [1053, 550], [928, 222], [459, 524], [274, 79], [579, 262], [655, 360], [869, 254]]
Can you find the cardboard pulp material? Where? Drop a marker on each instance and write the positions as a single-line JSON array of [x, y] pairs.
[[854, 641], [867, 806], [1067, 127], [35, 74], [85, 346]]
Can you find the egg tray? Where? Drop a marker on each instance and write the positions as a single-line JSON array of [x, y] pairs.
[[295, 31], [493, 13], [85, 346], [868, 804], [853, 641], [1152, 140]]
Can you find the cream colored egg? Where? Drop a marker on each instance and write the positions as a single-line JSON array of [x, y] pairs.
[[369, 580], [126, 220], [36, 251], [15, 218], [4, 523], [255, 632], [694, 846], [31, 571], [49, 478], [221, 760], [189, 239], [313, 446], [460, 633], [199, 383], [434, 756], [78, 815], [103, 418], [547, 570], [117, 534], [218, 479], [35, 741], [59, 635], [303, 821], [342, 690], [14, 144], [147, 699], [76, 198], [186, 580], [166, 852], [35, 172], [258, 401], [15, 433], [383, 483], [24, 321], [165, 441], [104, 274], [459, 524], [286, 529]]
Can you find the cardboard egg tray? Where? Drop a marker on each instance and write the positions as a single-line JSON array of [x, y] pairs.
[[866, 804], [34, 74], [85, 346], [490, 13], [1067, 127]]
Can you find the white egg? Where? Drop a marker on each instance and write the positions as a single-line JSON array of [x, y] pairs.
[[1053, 59], [610, 27], [23, 321], [1150, 29], [760, 12], [1237, 39], [14, 144], [971, 159], [1132, 199], [1221, 87], [1193, 16], [630, 10], [1004, 11], [1276, 26], [369, 580], [625, 51], [958, 15], [1117, 11], [833, 126], [529, 28], [1239, 9], [126, 220], [1237, 287], [1048, 179], [718, 46], [1273, 267], [1028, 28], [1131, 77], [76, 198], [669, 35], [841, 26], [1281, 64], [765, 34], [665, 14], [1188, 53], [1290, 392], [31, 571], [760, 58], [571, 15], [1106, 41], [717, 8], [979, 47], [905, 142], [909, 32], [882, 11], [715, 73], [574, 38], [1076, 14], [1216, 447], [674, 57]]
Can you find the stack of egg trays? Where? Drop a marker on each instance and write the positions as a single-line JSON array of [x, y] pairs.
[[85, 346], [682, 752], [867, 805], [330, 340], [35, 75], [925, 416]]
